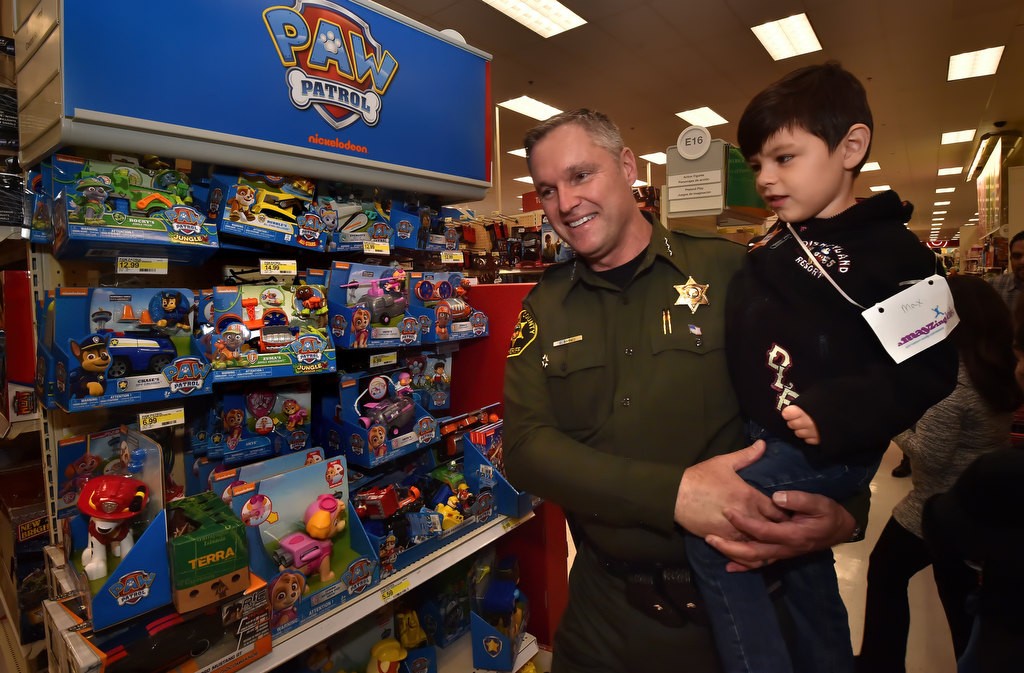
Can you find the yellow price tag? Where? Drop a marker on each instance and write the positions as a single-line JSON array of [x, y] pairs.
[[390, 593], [282, 267], [155, 266], [376, 248], [452, 257], [153, 420], [383, 359]]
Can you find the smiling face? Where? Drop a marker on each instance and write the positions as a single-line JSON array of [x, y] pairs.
[[586, 193], [799, 178]]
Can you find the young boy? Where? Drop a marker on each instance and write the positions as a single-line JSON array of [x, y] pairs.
[[812, 378]]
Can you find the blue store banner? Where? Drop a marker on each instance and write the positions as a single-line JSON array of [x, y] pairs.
[[329, 75]]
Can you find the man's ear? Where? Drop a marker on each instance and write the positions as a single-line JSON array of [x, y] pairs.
[[628, 165], [855, 145]]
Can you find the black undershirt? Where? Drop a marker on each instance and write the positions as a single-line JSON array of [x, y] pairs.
[[621, 275]]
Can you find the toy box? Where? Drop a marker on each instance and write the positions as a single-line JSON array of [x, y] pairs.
[[484, 462], [498, 620], [221, 638], [256, 207], [421, 228], [208, 551], [223, 480], [352, 224], [368, 307], [263, 422], [17, 361], [439, 304], [264, 331], [40, 203], [445, 606], [118, 539], [24, 533], [105, 210], [83, 457], [347, 650], [103, 347], [376, 420], [428, 374], [302, 539]]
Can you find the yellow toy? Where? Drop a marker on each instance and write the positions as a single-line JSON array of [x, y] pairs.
[[385, 656]]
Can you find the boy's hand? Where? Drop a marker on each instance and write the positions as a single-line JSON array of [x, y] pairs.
[[802, 425]]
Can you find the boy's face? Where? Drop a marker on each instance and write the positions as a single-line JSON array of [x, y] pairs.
[[799, 178]]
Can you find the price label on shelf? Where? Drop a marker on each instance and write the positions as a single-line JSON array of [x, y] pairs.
[[153, 420], [383, 359], [393, 591], [282, 267], [376, 248], [155, 266], [452, 257]]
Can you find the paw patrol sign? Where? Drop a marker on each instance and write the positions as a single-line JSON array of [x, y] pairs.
[[333, 64]]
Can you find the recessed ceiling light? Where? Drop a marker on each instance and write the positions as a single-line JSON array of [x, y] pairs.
[[639, 183], [531, 108], [521, 152], [880, 188], [934, 212], [702, 116], [870, 166], [526, 178], [945, 190], [938, 219], [971, 224], [544, 17], [941, 203], [787, 37], [965, 136], [519, 196], [955, 170], [973, 219], [655, 158], [974, 63]]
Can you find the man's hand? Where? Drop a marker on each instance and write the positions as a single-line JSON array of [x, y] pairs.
[[816, 522], [709, 487], [802, 425]]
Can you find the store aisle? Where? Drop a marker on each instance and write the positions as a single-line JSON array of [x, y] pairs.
[[929, 648]]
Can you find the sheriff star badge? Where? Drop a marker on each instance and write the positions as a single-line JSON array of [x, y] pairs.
[[692, 294]]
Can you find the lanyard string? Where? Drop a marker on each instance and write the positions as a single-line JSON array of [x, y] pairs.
[[817, 265]]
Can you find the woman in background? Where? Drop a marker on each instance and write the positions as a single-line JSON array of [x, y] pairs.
[[974, 420]]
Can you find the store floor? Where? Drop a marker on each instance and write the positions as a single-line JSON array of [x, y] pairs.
[[929, 649]]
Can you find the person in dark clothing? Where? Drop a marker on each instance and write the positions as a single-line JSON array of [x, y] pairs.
[[812, 379]]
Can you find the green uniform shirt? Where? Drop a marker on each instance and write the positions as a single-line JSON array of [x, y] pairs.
[[610, 394]]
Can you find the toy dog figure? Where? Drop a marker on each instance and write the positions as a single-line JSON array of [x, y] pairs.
[[386, 656], [295, 414], [170, 308], [94, 200], [285, 592], [229, 346], [377, 436], [109, 501], [360, 327], [90, 378], [233, 419], [241, 204]]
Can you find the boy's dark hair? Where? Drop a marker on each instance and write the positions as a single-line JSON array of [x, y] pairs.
[[824, 100], [1016, 237]]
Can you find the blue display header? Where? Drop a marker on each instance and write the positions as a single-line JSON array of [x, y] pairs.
[[332, 76]]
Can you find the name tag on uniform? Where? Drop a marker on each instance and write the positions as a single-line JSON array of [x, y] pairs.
[[915, 319], [570, 340]]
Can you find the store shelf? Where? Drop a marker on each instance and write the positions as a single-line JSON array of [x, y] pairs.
[[458, 657], [14, 657], [297, 642], [10, 430]]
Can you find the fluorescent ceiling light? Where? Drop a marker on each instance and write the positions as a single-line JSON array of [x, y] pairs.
[[655, 158], [971, 224], [945, 190], [941, 203], [787, 37], [525, 105], [934, 212], [938, 219], [526, 178], [521, 152], [880, 188], [544, 17], [702, 116], [965, 136], [974, 63], [639, 183], [973, 219], [955, 170], [519, 196], [870, 166]]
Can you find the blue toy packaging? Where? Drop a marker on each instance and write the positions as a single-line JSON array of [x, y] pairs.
[[102, 347], [222, 481], [369, 305], [261, 423], [103, 209], [255, 207], [352, 224], [428, 374], [500, 613], [484, 462], [420, 228], [83, 457], [302, 540], [439, 305], [267, 331]]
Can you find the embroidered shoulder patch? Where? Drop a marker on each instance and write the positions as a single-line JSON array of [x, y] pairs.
[[523, 334]]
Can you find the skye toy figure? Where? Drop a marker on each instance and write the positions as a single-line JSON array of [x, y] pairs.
[[90, 378], [233, 419], [77, 474], [376, 437], [110, 502], [285, 592], [295, 414], [360, 327], [325, 517]]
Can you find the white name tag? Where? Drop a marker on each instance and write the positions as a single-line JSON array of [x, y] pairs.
[[570, 340], [914, 319]]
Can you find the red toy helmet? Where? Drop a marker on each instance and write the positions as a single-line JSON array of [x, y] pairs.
[[113, 497]]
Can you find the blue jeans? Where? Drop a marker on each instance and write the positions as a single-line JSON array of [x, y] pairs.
[[743, 620]]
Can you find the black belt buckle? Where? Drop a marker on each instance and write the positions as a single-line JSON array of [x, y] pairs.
[[680, 589], [644, 595]]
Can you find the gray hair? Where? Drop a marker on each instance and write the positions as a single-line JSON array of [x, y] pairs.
[[598, 126]]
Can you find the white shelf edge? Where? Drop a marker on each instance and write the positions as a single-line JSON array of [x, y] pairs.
[[295, 643], [10, 430], [458, 657]]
